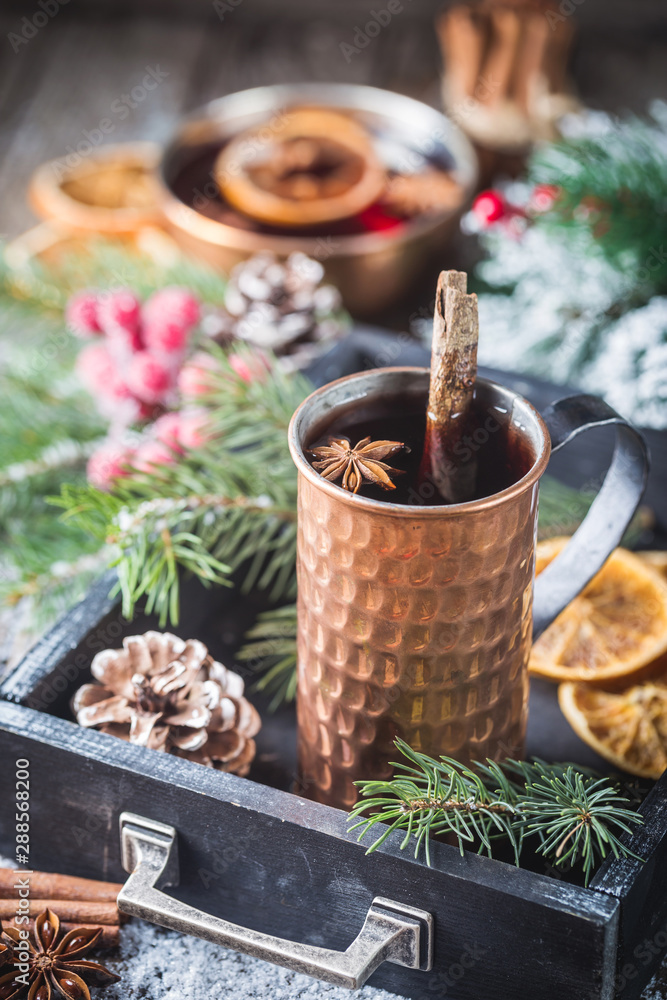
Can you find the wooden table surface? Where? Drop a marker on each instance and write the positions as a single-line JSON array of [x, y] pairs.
[[58, 85], [80, 67]]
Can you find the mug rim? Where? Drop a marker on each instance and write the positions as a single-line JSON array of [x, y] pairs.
[[369, 504]]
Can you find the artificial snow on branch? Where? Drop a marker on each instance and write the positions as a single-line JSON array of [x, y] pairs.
[[574, 288]]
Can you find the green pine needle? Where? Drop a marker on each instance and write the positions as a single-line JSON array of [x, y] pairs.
[[576, 817], [226, 508], [272, 652], [612, 195]]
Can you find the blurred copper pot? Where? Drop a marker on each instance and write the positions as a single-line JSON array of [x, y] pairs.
[[416, 621], [77, 194], [371, 269]]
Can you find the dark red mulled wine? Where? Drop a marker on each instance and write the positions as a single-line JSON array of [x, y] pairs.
[[193, 182], [502, 455]]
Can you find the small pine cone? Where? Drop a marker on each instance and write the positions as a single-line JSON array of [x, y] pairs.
[[282, 306], [169, 694]]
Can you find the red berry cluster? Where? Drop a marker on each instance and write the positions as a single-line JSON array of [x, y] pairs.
[[132, 368], [492, 207], [128, 389], [171, 435]]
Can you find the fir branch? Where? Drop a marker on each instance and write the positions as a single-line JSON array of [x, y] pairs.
[[55, 457], [612, 194], [271, 650], [576, 817], [107, 263], [226, 507], [48, 425]]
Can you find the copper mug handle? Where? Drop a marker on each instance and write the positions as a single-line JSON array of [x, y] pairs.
[[610, 514]]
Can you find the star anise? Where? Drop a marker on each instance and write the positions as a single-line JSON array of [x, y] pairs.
[[55, 968], [356, 465]]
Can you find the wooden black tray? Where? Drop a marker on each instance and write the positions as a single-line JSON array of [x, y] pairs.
[[254, 852]]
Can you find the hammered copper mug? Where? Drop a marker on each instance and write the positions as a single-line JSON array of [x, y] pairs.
[[416, 621]]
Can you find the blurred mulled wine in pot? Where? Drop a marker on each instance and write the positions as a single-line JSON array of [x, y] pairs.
[[367, 182]]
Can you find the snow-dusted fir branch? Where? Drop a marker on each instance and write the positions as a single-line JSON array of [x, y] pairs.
[[576, 817], [59, 456], [159, 510], [577, 293]]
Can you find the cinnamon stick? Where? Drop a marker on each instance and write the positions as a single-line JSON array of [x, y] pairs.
[[47, 885], [462, 39], [69, 911], [109, 938], [447, 462], [529, 80], [500, 61]]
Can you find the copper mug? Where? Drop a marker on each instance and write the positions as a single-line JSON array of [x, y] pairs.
[[417, 621]]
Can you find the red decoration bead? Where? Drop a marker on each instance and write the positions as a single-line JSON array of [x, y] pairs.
[[489, 207]]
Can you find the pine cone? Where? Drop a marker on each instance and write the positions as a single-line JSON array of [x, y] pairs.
[[162, 692], [282, 306]]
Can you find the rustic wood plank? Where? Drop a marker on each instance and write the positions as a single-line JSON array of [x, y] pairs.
[[411, 60], [244, 53], [287, 866], [87, 74], [620, 71], [641, 889]]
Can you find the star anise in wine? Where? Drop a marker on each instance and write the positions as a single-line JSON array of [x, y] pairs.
[[56, 968], [354, 466]]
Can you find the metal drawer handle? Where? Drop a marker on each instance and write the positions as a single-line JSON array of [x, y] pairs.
[[392, 932]]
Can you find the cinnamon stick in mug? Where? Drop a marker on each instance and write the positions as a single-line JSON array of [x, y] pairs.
[[48, 885], [446, 462]]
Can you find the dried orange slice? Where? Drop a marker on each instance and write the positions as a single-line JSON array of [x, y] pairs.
[[628, 728], [317, 165], [616, 626], [657, 559]]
